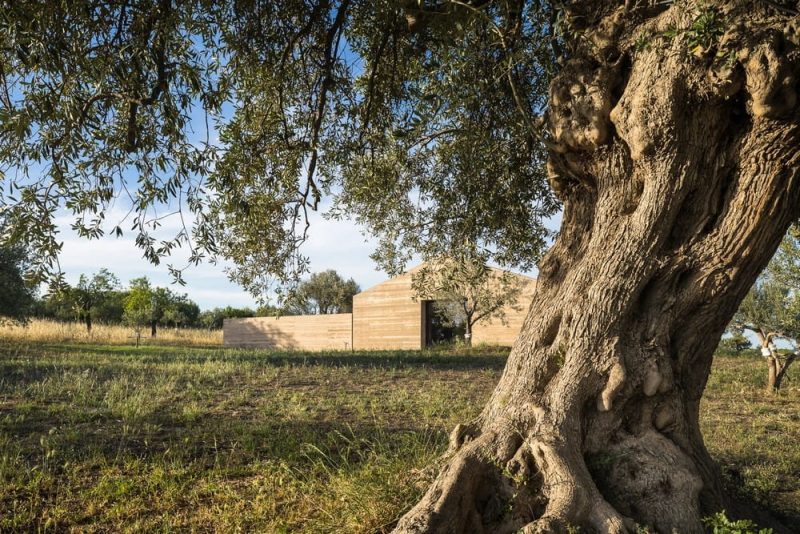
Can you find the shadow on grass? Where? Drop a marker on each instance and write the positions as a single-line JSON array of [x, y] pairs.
[[213, 440], [493, 358]]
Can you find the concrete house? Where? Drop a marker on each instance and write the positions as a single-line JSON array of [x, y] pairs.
[[385, 316]]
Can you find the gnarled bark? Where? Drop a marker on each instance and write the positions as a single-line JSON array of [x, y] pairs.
[[678, 170]]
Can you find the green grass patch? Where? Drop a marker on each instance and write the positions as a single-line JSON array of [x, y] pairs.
[[123, 439]]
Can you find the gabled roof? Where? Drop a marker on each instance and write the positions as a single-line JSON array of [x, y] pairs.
[[406, 278]]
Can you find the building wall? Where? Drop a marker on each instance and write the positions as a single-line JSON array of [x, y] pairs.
[[384, 316], [387, 317], [494, 332], [298, 332]]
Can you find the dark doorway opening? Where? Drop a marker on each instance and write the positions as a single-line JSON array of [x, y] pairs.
[[440, 328]]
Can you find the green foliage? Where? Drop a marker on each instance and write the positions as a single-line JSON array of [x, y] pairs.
[[772, 307], [213, 319], [16, 295], [785, 266], [735, 343], [706, 28], [111, 308], [720, 524], [425, 135], [139, 308], [99, 298], [92, 298], [322, 293], [643, 42], [703, 32], [147, 305]]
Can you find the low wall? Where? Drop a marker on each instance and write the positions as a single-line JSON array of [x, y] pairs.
[[299, 332]]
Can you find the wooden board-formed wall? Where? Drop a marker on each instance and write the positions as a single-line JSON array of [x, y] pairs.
[[298, 332], [387, 317], [494, 332]]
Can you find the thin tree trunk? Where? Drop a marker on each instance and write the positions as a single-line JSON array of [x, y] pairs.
[[468, 333], [772, 374], [773, 363], [87, 319], [153, 328], [679, 176], [782, 369]]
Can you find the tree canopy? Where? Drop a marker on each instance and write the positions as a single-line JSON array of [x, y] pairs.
[[16, 295], [149, 305], [91, 295], [324, 292], [419, 119], [771, 309]]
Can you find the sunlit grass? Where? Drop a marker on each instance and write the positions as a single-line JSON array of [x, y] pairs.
[[47, 331], [110, 438]]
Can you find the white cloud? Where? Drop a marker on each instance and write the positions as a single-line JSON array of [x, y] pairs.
[[335, 245], [332, 244]]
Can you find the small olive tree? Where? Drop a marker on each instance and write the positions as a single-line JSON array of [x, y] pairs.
[[146, 304], [771, 310], [468, 288]]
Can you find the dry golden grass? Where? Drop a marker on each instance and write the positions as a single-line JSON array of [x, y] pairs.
[[46, 331]]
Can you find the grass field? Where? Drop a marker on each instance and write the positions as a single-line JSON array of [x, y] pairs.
[[46, 331], [98, 438]]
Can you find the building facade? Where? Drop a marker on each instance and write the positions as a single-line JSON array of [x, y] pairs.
[[385, 317]]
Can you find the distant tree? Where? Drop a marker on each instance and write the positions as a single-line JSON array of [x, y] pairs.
[[92, 296], [736, 342], [16, 296], [323, 293], [213, 319], [771, 310], [784, 267], [161, 299], [268, 310], [146, 304], [174, 316], [138, 304], [467, 290], [207, 319], [180, 311], [55, 304], [111, 309]]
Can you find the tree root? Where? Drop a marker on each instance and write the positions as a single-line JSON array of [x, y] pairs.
[[451, 503], [496, 482]]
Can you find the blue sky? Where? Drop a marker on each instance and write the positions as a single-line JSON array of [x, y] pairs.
[[337, 245]]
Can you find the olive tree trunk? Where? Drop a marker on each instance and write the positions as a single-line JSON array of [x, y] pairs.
[[778, 366], [775, 368], [678, 171]]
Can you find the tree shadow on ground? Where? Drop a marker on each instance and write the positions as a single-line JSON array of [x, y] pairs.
[[490, 358], [211, 440]]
